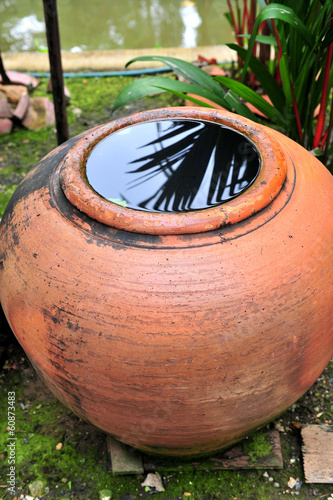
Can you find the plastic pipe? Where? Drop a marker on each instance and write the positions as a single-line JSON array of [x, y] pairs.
[[132, 72], [135, 72]]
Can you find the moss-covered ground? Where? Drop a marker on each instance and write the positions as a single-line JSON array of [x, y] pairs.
[[68, 457]]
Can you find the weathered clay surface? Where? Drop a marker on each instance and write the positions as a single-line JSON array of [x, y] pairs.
[[174, 343], [263, 190]]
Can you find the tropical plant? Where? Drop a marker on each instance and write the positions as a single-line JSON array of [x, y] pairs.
[[241, 18], [297, 83]]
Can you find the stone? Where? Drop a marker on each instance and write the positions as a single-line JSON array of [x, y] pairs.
[[13, 92], [317, 454], [36, 488], [22, 79], [105, 494], [217, 71], [6, 126], [77, 112], [5, 109], [124, 459], [153, 481], [40, 113], [21, 108], [292, 482]]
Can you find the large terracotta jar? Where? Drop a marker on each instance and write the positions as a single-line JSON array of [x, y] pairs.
[[170, 276]]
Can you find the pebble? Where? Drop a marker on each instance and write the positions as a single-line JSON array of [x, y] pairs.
[[105, 494], [154, 481], [298, 484], [77, 112], [36, 488], [292, 482], [277, 485]]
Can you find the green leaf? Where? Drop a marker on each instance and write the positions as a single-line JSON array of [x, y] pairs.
[[253, 98], [169, 85], [228, 17], [267, 81], [190, 98], [185, 69], [285, 77], [328, 38], [283, 13], [268, 40], [148, 86], [239, 107], [136, 90], [117, 201]]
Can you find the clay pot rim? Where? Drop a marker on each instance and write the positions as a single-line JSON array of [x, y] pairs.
[[261, 192]]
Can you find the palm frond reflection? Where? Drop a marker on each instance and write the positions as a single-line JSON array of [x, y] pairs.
[[202, 165], [172, 166]]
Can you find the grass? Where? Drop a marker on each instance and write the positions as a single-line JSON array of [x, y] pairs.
[[80, 469]]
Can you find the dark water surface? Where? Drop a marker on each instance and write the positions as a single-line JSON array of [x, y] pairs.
[[172, 166], [116, 24]]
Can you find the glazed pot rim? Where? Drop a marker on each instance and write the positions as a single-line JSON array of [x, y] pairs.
[[260, 193]]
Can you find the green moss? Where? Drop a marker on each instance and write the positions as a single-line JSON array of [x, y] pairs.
[[257, 446], [5, 195]]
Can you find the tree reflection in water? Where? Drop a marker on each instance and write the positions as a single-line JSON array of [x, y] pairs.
[[172, 166], [203, 165]]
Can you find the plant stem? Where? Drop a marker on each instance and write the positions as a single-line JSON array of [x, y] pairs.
[[298, 120], [323, 100], [295, 107], [252, 15], [245, 16], [328, 134], [238, 38]]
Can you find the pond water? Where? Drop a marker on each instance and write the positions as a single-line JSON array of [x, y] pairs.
[[172, 166], [116, 24]]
